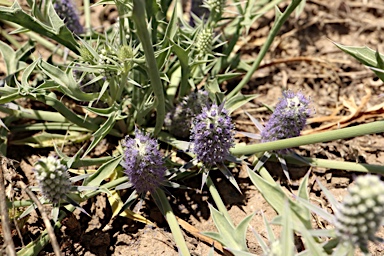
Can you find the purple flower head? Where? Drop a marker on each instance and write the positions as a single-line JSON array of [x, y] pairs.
[[288, 119], [67, 12], [143, 163], [179, 120], [212, 135], [53, 178]]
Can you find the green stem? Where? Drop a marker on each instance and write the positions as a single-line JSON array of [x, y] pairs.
[[334, 164], [109, 185], [363, 129], [217, 198], [138, 15], [166, 209], [275, 29], [87, 15]]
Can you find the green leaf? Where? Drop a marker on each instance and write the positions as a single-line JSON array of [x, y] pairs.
[[238, 101], [224, 170], [286, 237], [103, 172], [231, 237], [365, 55], [60, 34], [182, 55], [104, 129], [276, 197], [315, 248], [67, 83], [9, 57], [44, 139]]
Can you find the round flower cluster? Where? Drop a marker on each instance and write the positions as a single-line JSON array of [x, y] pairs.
[[215, 6], [204, 42], [67, 12], [288, 119], [143, 163], [361, 212], [108, 57], [212, 135], [179, 120], [53, 178]]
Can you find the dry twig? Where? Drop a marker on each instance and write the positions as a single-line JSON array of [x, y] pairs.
[[8, 241], [51, 233]]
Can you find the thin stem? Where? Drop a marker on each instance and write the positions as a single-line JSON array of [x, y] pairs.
[[344, 133], [217, 198], [275, 29], [138, 15], [87, 15], [166, 208], [8, 241], [47, 223], [334, 164]]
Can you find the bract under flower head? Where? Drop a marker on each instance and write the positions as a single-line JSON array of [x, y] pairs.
[[288, 119], [143, 163], [53, 178], [212, 135]]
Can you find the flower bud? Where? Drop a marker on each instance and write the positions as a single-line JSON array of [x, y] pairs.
[[204, 42], [362, 211], [53, 178]]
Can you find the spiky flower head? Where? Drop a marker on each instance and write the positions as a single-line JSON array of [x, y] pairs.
[[53, 178], [67, 12], [212, 135], [288, 119], [361, 213], [142, 162], [214, 6], [125, 55], [108, 60], [179, 120], [204, 42]]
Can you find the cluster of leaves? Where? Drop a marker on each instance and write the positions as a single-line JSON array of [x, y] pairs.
[[145, 73]]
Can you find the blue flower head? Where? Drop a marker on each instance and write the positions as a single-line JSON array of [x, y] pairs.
[[212, 135], [288, 119], [53, 178], [67, 12], [143, 163]]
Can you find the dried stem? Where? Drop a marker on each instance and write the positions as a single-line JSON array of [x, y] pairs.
[[51, 233], [8, 241]]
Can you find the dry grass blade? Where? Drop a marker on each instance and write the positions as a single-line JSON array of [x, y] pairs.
[[4, 211], [51, 232]]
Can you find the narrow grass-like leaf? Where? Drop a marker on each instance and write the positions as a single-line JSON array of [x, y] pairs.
[[238, 101], [104, 129], [286, 237], [224, 170], [9, 57], [331, 198], [103, 172]]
